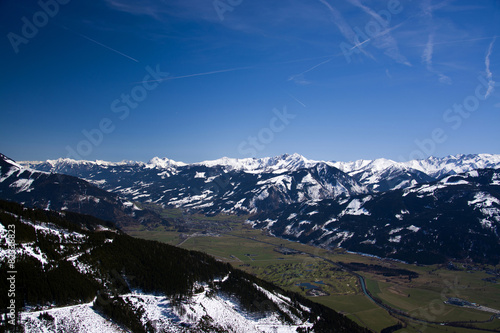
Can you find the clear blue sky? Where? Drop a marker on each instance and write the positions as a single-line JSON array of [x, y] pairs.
[[331, 80]]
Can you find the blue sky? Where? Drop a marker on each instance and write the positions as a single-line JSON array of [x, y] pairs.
[[194, 80]]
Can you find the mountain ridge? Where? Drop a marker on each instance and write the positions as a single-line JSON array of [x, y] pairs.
[[274, 192], [433, 166], [378, 175], [58, 191], [455, 217], [214, 187]]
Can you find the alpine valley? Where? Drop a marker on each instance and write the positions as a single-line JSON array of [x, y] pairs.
[[424, 211], [81, 272]]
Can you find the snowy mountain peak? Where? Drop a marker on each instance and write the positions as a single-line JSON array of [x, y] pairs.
[[384, 174], [292, 157], [164, 163], [382, 163], [285, 162]]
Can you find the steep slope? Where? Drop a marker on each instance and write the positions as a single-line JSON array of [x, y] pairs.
[[63, 192], [91, 277], [456, 217]]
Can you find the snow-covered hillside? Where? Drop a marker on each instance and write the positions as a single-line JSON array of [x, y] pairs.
[[200, 312], [80, 274]]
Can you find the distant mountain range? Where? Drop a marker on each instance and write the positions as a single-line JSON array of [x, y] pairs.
[[61, 192], [248, 186], [229, 186], [435, 208]]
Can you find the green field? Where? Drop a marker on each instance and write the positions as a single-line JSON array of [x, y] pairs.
[[255, 252]]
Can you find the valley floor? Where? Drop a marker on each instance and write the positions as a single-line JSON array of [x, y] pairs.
[[331, 278]]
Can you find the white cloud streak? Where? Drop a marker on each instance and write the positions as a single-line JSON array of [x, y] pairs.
[[427, 60], [489, 74], [429, 50], [344, 27], [383, 40], [453, 41], [428, 8], [136, 8], [428, 53]]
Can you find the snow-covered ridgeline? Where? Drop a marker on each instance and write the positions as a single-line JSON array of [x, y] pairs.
[[163, 316], [432, 166]]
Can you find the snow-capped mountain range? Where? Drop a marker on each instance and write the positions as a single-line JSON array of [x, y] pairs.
[[381, 207], [251, 185], [57, 191], [227, 185], [382, 174], [432, 166]]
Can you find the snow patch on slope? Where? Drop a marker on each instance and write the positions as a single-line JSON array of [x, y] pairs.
[[77, 318], [355, 207], [490, 207], [213, 309]]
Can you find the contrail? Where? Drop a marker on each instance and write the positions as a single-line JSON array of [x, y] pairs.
[[101, 44], [455, 41], [307, 59], [343, 26], [340, 53], [296, 99], [109, 48], [382, 33], [197, 74], [310, 69]]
